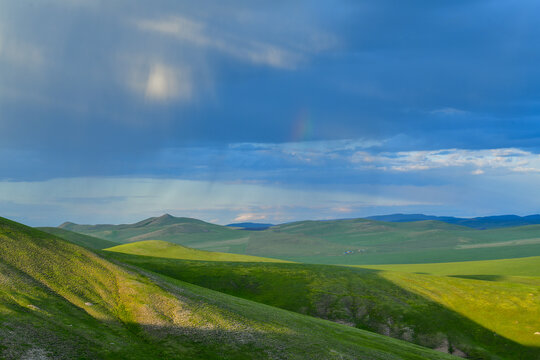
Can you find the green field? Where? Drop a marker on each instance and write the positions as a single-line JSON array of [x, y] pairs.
[[59, 300], [164, 249], [434, 311], [527, 266], [446, 305], [367, 242]]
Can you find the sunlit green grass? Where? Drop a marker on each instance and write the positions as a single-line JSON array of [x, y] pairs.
[[509, 309], [527, 266], [62, 301], [158, 248], [406, 306]]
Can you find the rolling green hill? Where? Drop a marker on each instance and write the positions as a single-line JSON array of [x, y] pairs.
[[374, 242], [180, 230], [59, 300], [159, 248], [439, 312], [86, 241], [347, 242], [527, 266]]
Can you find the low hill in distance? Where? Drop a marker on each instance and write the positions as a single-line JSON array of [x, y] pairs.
[[485, 222], [62, 301], [348, 242], [447, 313], [164, 249], [182, 230]]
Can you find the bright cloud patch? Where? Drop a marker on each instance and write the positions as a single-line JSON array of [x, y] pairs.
[[510, 159], [241, 47], [168, 83]]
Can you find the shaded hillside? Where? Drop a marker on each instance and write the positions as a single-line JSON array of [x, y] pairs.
[[418, 308], [61, 301]]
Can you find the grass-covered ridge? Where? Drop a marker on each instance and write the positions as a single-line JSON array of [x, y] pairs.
[[86, 241], [424, 309], [347, 242], [59, 300], [181, 230], [159, 248]]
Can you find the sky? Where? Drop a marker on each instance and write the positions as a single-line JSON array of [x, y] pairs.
[[267, 111]]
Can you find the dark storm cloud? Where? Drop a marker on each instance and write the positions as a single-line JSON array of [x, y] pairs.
[[76, 73]]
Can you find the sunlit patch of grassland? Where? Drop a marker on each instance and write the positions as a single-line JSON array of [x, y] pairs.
[[61, 301], [528, 266], [508, 309], [158, 248], [363, 298]]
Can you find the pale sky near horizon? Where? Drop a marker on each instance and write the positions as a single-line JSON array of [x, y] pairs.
[[114, 111]]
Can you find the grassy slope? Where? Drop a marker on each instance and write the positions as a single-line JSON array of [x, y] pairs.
[[59, 300], [512, 291], [86, 241], [379, 301], [324, 242], [509, 309], [383, 242], [528, 266], [159, 248]]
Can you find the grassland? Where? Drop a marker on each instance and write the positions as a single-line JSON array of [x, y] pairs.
[[59, 300], [511, 290], [347, 242], [164, 249], [89, 242], [527, 266], [452, 314]]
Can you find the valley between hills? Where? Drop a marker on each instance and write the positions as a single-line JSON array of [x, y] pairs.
[[181, 288]]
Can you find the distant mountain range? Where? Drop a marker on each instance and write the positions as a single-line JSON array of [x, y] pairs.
[[480, 223], [486, 222], [250, 226]]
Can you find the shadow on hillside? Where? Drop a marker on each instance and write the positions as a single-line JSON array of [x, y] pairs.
[[352, 296]]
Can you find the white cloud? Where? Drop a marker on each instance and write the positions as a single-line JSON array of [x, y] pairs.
[[310, 151], [478, 172], [241, 47], [449, 111], [249, 217], [508, 159], [343, 209]]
